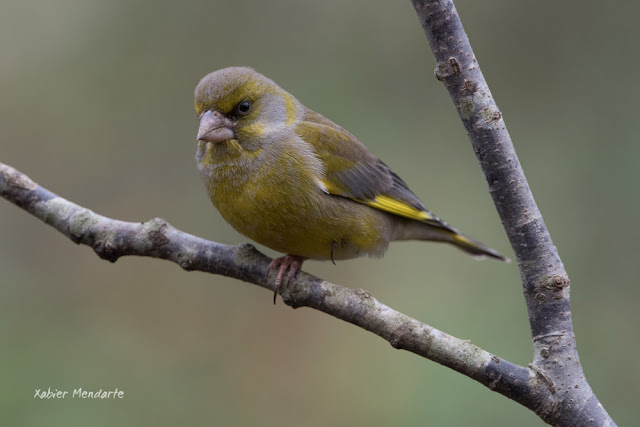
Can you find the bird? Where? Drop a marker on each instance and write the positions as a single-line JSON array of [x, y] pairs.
[[296, 182]]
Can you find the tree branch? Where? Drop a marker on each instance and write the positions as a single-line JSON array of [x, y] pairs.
[[545, 281], [156, 238]]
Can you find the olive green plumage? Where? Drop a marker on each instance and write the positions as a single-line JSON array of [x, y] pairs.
[[296, 182]]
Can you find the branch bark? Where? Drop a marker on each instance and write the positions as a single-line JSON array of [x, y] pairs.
[[545, 281]]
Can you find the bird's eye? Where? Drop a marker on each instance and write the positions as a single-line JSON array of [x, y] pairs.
[[244, 107]]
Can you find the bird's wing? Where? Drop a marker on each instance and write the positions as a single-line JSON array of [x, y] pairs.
[[351, 171]]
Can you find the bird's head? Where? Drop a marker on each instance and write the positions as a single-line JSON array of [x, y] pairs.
[[239, 104]]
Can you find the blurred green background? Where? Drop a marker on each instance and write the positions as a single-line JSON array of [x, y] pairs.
[[97, 106]]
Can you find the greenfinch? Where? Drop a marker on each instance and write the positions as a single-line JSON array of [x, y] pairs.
[[294, 181]]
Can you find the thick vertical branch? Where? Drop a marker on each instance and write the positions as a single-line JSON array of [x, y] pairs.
[[545, 281]]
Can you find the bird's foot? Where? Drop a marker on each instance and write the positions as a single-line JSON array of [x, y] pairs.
[[287, 262]]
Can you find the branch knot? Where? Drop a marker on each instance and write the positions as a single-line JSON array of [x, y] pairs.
[[447, 69]]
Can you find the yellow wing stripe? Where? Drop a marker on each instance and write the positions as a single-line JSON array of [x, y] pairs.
[[388, 204]]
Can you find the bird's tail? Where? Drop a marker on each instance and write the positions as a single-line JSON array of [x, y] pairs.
[[442, 232], [475, 248]]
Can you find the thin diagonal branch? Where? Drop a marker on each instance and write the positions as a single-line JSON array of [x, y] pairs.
[[545, 281], [111, 239]]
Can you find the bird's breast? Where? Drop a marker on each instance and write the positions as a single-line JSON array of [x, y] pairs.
[[275, 198]]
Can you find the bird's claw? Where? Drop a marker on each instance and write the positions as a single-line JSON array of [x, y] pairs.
[[287, 262]]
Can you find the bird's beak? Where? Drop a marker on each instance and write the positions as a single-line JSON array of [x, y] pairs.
[[215, 127]]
